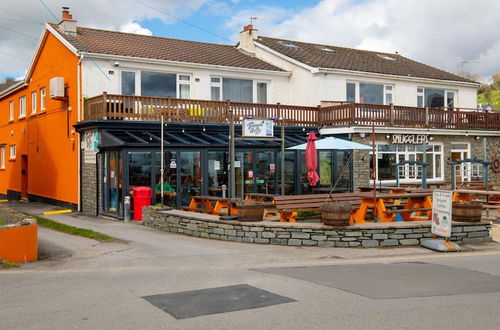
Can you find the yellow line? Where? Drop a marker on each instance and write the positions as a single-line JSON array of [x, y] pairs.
[[57, 212], [4, 200]]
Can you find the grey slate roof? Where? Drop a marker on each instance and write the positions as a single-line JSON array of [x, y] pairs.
[[332, 57]]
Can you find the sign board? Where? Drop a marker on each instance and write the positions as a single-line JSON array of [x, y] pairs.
[[258, 128], [441, 212], [409, 138], [272, 168], [90, 146], [237, 163], [173, 163], [217, 165]]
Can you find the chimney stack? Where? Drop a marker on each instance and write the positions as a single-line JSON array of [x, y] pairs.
[[68, 24], [247, 37]]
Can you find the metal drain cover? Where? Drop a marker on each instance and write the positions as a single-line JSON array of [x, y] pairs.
[[188, 304]]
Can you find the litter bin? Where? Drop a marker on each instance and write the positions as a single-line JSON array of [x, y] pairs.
[[142, 197]]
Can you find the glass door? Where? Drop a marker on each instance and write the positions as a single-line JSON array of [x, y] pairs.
[[191, 176], [113, 183], [244, 173], [265, 174]]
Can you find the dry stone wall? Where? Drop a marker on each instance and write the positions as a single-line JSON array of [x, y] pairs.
[[307, 234]]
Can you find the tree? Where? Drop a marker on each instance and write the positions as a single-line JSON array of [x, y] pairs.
[[9, 81], [495, 84]]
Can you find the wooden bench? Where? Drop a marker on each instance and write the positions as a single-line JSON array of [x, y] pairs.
[[289, 206]]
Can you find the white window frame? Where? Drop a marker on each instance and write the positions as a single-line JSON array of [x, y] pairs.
[[33, 102], [412, 171], [22, 106], [254, 87], [12, 151], [185, 82], [217, 85], [386, 90], [2, 156], [446, 91], [43, 94], [137, 81], [465, 168], [11, 110]]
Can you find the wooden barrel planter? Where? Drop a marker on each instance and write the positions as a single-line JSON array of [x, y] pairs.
[[249, 212], [336, 213], [467, 212]]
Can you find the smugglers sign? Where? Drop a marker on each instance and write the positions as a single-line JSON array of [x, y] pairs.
[[409, 138], [257, 128]]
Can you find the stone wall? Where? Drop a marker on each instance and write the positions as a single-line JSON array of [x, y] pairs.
[[307, 234], [11, 216], [89, 181]]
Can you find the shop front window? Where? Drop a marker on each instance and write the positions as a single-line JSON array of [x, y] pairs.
[[113, 182], [265, 180], [169, 178], [191, 177]]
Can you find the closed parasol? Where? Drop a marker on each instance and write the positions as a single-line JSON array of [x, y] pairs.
[[312, 159]]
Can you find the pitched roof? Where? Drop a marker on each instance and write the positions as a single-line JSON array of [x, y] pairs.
[[141, 46], [332, 57]]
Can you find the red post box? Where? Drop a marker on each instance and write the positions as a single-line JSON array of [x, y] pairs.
[[142, 197]]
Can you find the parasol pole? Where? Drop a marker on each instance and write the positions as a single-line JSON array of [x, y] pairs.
[[162, 170]]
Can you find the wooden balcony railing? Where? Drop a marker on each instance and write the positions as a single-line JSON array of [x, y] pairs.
[[124, 107]]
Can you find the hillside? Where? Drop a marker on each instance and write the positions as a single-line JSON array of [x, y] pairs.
[[494, 96]]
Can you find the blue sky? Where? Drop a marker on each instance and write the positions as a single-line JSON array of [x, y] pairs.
[[448, 34]]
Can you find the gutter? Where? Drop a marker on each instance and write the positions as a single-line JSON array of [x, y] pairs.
[[13, 88]]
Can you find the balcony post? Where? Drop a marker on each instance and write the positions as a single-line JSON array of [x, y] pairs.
[[486, 123], [353, 113], [391, 114], [169, 108], [427, 116], [319, 116], [104, 109]]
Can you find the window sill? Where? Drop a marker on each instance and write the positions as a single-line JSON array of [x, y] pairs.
[[12, 160], [3, 169], [21, 118]]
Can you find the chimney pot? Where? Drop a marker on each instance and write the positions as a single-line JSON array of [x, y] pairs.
[[248, 27], [66, 14]]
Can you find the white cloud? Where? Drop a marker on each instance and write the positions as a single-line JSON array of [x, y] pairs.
[[25, 20], [136, 28]]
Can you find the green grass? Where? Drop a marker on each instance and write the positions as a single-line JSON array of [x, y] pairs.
[[494, 98], [47, 223], [7, 264], [1, 222]]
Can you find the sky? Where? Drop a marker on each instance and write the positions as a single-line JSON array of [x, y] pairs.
[[453, 35]]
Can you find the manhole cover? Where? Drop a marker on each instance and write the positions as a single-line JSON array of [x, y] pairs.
[[188, 304]]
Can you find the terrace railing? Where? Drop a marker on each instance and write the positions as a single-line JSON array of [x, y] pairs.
[[125, 107]]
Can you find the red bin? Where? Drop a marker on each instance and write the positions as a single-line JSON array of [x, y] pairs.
[[142, 197]]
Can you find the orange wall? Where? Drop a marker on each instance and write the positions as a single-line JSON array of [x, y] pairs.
[[43, 137]]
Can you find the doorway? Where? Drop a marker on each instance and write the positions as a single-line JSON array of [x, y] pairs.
[[460, 151], [24, 176]]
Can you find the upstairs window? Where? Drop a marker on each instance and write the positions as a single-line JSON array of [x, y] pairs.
[[184, 82], [2, 156], [42, 98], [215, 88], [158, 84], [13, 151], [11, 110], [33, 102], [369, 93], [22, 107], [435, 98], [128, 83]]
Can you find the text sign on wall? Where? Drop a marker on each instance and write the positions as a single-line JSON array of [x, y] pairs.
[[257, 128], [441, 212], [90, 143], [409, 138]]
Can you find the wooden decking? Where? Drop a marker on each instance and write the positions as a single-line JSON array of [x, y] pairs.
[[137, 108]]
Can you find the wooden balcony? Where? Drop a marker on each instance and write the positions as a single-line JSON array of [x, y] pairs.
[[135, 108]]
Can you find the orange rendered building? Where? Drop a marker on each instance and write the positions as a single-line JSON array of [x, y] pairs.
[[38, 143]]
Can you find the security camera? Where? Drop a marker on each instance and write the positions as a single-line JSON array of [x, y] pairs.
[[116, 64]]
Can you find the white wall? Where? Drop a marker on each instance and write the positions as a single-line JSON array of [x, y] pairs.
[[309, 88], [95, 82]]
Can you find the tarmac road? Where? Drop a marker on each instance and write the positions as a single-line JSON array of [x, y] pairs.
[[87, 284]]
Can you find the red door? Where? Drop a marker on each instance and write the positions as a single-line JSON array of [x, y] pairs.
[[24, 176]]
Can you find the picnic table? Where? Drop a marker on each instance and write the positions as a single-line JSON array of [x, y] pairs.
[[467, 195], [210, 205], [387, 206], [267, 200]]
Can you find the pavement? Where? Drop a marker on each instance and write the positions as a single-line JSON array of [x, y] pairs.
[[137, 281]]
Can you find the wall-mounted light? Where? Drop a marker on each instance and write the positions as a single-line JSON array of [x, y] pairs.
[[362, 134], [477, 137], [388, 136], [431, 137], [241, 118], [466, 133], [116, 64]]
